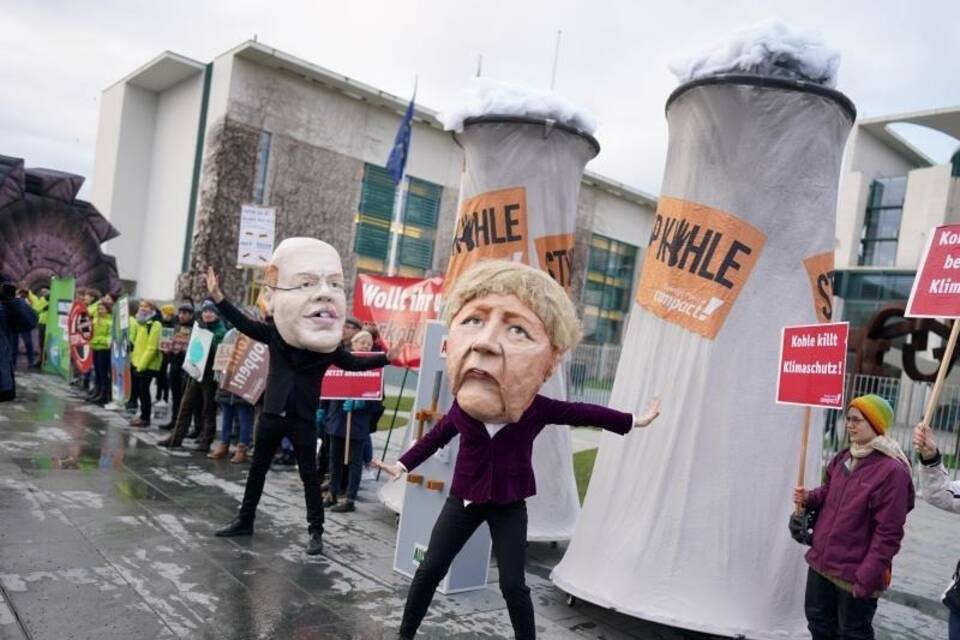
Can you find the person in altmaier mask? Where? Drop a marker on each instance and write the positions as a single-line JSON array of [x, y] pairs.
[[304, 296], [510, 325]]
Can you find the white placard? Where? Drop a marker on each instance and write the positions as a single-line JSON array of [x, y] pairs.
[[257, 232]]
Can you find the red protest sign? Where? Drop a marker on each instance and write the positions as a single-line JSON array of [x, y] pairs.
[[400, 307], [79, 333], [812, 365], [338, 384], [936, 289]]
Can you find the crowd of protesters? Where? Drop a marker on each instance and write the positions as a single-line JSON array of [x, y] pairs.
[[163, 395]]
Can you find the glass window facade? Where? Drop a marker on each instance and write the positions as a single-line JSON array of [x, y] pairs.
[[866, 292], [607, 289], [421, 211], [881, 225], [260, 175]]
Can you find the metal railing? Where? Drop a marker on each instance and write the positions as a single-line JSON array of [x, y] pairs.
[[592, 369]]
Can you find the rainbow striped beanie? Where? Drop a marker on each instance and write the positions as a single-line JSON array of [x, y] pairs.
[[876, 410]]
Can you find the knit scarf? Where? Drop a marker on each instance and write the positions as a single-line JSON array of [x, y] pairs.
[[884, 444]]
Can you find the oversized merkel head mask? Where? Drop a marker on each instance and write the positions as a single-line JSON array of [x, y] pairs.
[[510, 325], [304, 292]]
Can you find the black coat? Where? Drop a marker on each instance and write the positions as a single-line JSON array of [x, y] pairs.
[[293, 381]]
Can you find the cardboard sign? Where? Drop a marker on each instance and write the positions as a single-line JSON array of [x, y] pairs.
[[936, 289], [80, 333], [338, 384], [400, 307], [490, 226], [698, 261], [246, 373], [813, 365], [221, 359], [257, 230], [198, 350], [166, 339]]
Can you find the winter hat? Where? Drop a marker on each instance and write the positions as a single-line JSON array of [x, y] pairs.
[[209, 305], [353, 322], [185, 306], [167, 309], [876, 410]]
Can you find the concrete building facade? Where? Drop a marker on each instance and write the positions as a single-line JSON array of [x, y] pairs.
[[182, 145], [891, 196]]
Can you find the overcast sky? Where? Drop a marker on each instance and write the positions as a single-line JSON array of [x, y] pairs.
[[58, 55]]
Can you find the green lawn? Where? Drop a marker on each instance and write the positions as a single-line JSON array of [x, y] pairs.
[[582, 469], [405, 405]]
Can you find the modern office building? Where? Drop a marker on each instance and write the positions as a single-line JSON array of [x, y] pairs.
[[182, 145]]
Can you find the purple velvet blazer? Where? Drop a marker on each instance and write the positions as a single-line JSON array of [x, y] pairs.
[[499, 469]]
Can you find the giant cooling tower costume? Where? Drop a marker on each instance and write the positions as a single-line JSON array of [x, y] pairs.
[[691, 516], [524, 155]]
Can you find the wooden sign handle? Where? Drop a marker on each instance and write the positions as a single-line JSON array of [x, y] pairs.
[[804, 440], [346, 448], [941, 374]]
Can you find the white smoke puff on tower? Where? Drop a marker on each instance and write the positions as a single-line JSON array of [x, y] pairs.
[[684, 523]]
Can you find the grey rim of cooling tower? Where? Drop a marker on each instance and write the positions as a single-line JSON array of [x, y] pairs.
[[548, 123], [768, 82]]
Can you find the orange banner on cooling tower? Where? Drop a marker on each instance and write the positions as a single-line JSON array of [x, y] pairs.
[[696, 264], [491, 226], [819, 268], [556, 257]]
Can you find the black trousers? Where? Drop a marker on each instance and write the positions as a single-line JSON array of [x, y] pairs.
[[198, 403], [163, 379], [302, 434], [508, 530], [353, 470], [834, 614], [142, 380], [101, 372], [176, 390]]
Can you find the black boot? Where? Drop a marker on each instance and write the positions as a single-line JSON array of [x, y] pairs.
[[315, 546], [236, 528]]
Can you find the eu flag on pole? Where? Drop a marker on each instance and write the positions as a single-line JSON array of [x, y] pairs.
[[397, 162]]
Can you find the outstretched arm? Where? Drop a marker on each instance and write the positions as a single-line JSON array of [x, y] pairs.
[[349, 362], [583, 414]]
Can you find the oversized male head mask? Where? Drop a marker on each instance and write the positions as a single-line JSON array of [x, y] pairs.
[[510, 325], [304, 292]]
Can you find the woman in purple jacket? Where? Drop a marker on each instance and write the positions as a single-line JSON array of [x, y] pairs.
[[510, 325], [862, 507]]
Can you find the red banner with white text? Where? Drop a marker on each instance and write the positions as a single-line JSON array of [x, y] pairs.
[[400, 308]]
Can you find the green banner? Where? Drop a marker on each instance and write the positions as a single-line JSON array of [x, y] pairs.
[[56, 358], [119, 354]]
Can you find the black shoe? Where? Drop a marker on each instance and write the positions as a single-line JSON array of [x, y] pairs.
[[343, 507], [170, 443], [193, 435], [236, 528], [166, 427], [315, 546]]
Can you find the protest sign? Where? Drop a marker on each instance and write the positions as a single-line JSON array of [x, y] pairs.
[[198, 350], [399, 307], [119, 354], [257, 229], [80, 333], [338, 384], [246, 373], [56, 345], [813, 365]]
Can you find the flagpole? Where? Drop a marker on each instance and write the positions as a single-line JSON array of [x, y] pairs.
[[396, 218], [396, 225]]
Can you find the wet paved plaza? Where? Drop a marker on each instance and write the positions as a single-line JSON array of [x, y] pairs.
[[104, 535]]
